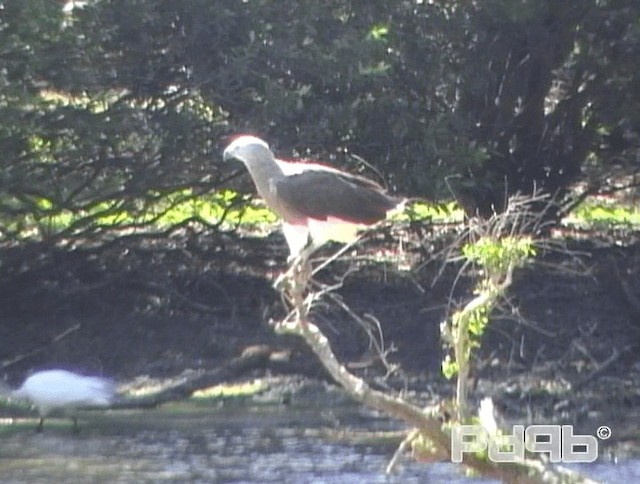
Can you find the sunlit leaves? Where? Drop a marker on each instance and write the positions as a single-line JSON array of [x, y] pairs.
[[498, 256], [449, 212], [378, 32], [605, 215], [221, 209]]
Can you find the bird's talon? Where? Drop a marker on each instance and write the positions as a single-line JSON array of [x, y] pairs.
[[283, 282], [279, 282]]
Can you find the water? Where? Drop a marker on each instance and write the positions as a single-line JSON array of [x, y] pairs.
[[206, 443]]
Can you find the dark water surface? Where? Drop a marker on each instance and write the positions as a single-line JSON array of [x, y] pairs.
[[195, 442]]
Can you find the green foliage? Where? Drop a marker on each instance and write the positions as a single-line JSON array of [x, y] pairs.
[[448, 212], [449, 367], [476, 324], [227, 391], [601, 215], [465, 331], [219, 209], [497, 256], [544, 88], [379, 32], [107, 105]]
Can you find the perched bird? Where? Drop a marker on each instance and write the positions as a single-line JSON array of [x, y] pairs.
[[51, 390], [316, 203]]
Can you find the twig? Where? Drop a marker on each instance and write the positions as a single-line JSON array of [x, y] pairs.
[[31, 353], [376, 342], [402, 448], [630, 298], [335, 256], [602, 367]]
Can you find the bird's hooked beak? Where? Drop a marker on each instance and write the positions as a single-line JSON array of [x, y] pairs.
[[228, 153]]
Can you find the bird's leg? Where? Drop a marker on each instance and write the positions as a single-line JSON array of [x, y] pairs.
[[76, 427], [299, 269], [293, 284], [40, 425], [284, 279], [300, 276]]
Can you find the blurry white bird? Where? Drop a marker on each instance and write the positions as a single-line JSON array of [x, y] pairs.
[[51, 390]]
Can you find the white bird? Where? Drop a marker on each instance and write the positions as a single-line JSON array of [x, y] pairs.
[[51, 390], [316, 203]]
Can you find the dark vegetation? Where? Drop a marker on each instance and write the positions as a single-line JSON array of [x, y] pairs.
[[114, 112]]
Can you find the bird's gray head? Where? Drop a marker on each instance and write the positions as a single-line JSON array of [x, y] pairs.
[[249, 150]]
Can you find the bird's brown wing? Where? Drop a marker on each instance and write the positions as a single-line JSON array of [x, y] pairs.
[[320, 194]]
